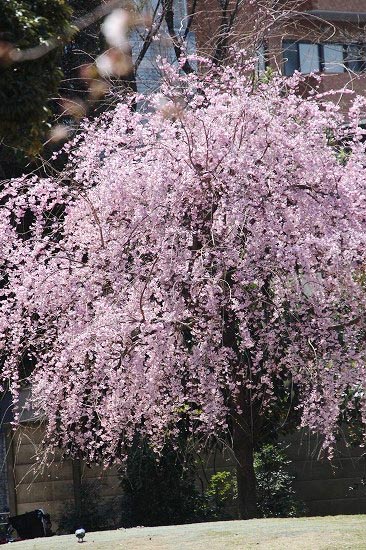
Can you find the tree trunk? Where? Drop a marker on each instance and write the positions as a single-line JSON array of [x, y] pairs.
[[247, 495]]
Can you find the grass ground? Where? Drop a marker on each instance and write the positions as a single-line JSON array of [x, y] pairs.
[[331, 533]]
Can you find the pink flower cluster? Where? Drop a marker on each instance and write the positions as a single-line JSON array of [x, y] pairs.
[[200, 252]]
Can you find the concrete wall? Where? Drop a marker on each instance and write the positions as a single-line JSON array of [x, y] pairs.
[[30, 486], [53, 488], [3, 474], [328, 488]]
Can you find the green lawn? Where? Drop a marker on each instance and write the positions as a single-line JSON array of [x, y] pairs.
[[338, 532]]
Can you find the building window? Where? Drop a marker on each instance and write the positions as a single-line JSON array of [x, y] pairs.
[[333, 58], [261, 59], [355, 57], [291, 58], [307, 57]]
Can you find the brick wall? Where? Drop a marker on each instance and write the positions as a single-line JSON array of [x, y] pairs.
[[339, 5], [308, 27]]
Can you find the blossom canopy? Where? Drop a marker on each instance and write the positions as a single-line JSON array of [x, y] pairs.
[[209, 246]]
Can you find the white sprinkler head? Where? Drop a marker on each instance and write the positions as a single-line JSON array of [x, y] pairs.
[[80, 534]]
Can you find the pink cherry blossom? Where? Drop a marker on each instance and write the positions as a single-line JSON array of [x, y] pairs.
[[199, 259]]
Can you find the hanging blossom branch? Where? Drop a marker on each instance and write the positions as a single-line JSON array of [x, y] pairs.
[[226, 268]]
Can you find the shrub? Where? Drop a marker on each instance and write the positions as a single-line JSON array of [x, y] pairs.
[[219, 496], [164, 492], [160, 492], [275, 494], [92, 513]]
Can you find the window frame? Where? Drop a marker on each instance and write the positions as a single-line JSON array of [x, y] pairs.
[[362, 61], [319, 54], [288, 43], [262, 63], [323, 63]]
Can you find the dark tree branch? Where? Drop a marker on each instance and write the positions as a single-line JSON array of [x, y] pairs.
[[176, 40], [150, 35]]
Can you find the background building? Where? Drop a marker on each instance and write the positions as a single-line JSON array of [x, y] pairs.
[[318, 36]]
